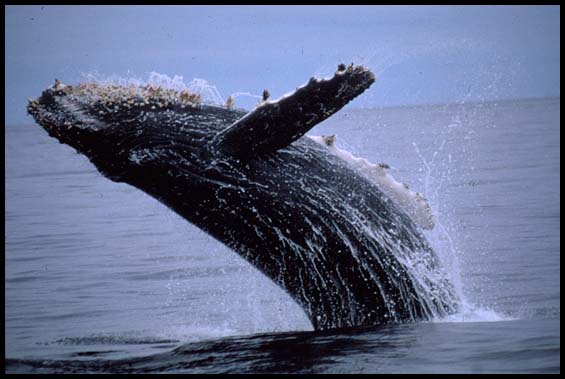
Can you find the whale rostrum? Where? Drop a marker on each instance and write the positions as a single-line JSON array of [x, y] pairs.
[[328, 233]]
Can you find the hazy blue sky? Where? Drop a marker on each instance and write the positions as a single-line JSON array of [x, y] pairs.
[[421, 54]]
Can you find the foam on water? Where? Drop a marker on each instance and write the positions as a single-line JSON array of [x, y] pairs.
[[473, 313]]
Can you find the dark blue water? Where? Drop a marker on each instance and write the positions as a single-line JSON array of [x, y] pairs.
[[102, 278]]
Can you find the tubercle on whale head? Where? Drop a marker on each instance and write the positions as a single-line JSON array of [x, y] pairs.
[[100, 100]]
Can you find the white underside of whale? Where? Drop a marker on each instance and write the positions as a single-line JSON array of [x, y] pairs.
[[412, 203]]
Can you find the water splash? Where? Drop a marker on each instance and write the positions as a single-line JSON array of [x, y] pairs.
[[246, 100], [249, 94], [411, 202], [209, 93], [438, 171]]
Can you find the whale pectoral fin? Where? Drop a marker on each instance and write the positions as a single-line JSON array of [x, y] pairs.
[[274, 125]]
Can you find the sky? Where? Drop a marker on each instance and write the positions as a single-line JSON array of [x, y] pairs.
[[420, 54]]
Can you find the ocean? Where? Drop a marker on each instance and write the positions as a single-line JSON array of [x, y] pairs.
[[102, 278]]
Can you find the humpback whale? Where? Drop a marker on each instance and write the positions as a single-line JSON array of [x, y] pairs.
[[289, 205]]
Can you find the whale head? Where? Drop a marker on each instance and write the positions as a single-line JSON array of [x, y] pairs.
[[122, 128]]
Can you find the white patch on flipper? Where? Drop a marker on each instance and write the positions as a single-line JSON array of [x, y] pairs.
[[411, 202]]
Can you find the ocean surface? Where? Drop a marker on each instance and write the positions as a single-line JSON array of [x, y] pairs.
[[103, 278]]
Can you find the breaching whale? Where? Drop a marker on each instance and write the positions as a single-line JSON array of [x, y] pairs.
[[303, 216]]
